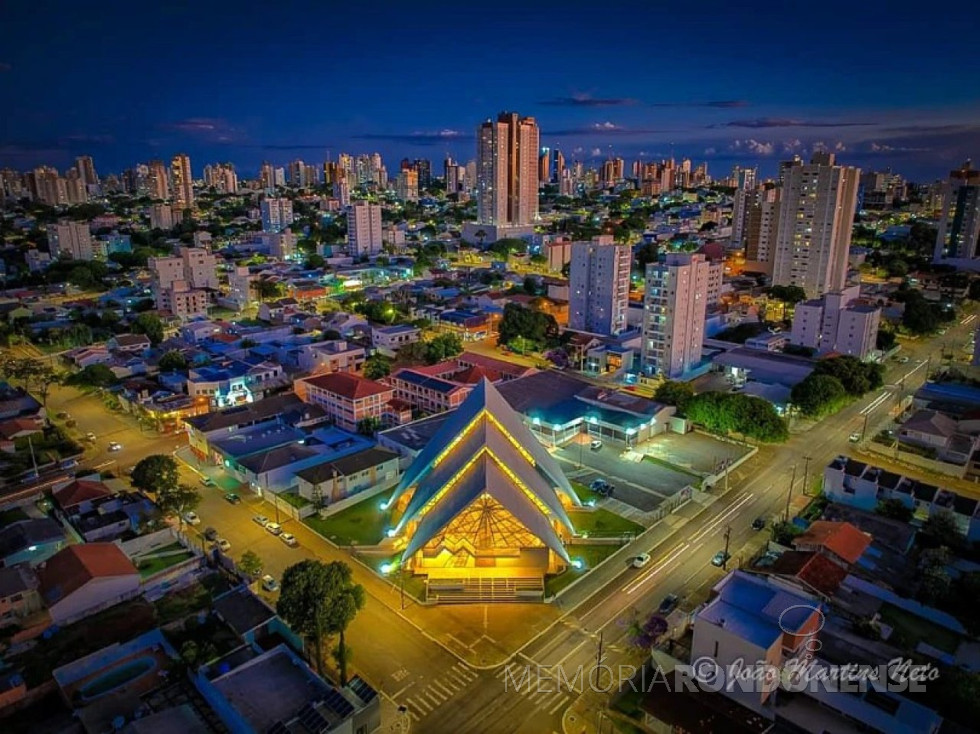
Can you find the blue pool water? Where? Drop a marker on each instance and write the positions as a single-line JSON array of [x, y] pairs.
[[118, 676]]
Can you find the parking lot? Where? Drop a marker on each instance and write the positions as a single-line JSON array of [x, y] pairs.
[[694, 452], [642, 484]]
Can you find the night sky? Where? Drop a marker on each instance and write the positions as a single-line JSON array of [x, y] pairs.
[[723, 82]]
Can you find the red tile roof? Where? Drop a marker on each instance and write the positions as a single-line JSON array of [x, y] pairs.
[[19, 427], [79, 491], [502, 366], [352, 387], [71, 568], [841, 538], [813, 569], [472, 375]]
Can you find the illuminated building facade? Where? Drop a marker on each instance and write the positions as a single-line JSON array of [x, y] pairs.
[[484, 502]]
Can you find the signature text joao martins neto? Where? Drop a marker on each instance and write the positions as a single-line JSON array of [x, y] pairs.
[[704, 674]]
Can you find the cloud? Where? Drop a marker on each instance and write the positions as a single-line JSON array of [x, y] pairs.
[[710, 151], [418, 137], [769, 122], [874, 147], [587, 100], [5, 67], [752, 145], [720, 104], [601, 128], [211, 129], [595, 152], [792, 146]]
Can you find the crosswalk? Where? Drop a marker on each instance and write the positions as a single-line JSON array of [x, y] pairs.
[[543, 693], [448, 685]]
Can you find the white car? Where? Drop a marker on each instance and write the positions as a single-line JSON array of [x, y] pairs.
[[115, 446], [223, 545], [90, 437], [289, 539], [274, 528], [269, 583], [641, 560], [191, 518], [261, 520], [854, 437]]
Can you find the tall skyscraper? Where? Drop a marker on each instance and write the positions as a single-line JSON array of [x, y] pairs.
[[598, 286], [72, 240], [407, 185], [958, 237], [813, 235], [507, 171], [277, 214], [86, 170], [423, 167], [221, 177], [544, 165], [157, 181], [674, 306], [364, 233], [559, 165], [267, 177], [183, 181]]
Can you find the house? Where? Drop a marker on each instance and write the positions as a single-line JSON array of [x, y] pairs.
[[815, 573], [19, 597], [30, 541], [933, 430], [427, 394], [129, 344], [86, 578], [87, 356], [16, 402], [467, 325], [839, 542], [390, 338], [506, 370], [275, 311], [79, 495], [233, 382], [11, 430], [195, 332], [345, 398], [332, 481], [335, 355]]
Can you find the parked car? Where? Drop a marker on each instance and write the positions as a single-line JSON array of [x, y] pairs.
[[903, 360], [759, 523], [854, 437], [210, 534], [289, 539], [597, 484], [269, 583], [115, 446], [274, 528], [223, 545], [191, 518], [596, 444], [208, 482], [232, 498], [721, 558], [63, 415], [261, 520], [641, 560], [668, 604], [69, 464], [90, 437]]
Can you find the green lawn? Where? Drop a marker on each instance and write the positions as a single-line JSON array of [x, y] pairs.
[[600, 523], [294, 499], [361, 524], [910, 630], [585, 494], [414, 585], [590, 555], [154, 565]]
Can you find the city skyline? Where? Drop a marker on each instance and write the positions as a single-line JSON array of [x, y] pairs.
[[694, 92]]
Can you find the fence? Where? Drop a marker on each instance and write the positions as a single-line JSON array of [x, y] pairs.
[[284, 507], [151, 541], [339, 505]]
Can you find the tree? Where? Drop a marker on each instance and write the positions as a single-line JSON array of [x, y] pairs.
[[535, 326], [942, 529], [674, 392], [894, 509], [314, 262], [817, 394], [250, 564], [156, 474], [94, 375], [269, 290], [784, 532], [791, 294], [178, 500], [368, 426], [644, 634], [413, 353], [319, 600], [36, 375], [173, 361], [855, 376], [377, 366], [149, 324], [885, 340], [735, 412], [442, 347]]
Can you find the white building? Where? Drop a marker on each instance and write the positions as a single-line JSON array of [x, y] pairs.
[[72, 240], [277, 214], [599, 282], [838, 322], [240, 286], [813, 235], [674, 305], [958, 238], [178, 281], [364, 233], [282, 245]]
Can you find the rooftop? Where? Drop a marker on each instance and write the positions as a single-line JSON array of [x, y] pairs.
[[813, 569], [346, 385], [842, 538], [242, 610], [288, 405], [409, 375], [71, 568], [346, 465]]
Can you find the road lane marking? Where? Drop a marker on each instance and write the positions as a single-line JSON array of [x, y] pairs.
[[630, 588], [561, 704], [421, 704], [878, 401], [434, 696], [710, 528], [967, 320], [448, 692]]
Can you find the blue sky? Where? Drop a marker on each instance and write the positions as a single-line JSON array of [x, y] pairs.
[[887, 84]]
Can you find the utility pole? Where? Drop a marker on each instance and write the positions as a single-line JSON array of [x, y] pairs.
[[728, 537], [864, 430], [789, 494], [806, 475]]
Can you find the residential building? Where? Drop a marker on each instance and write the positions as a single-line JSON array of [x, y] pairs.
[[277, 213], [157, 181], [182, 181], [813, 235], [364, 233], [19, 597], [838, 322], [233, 382], [427, 394], [675, 300], [407, 185], [391, 338], [71, 240], [507, 171], [240, 281], [343, 477], [335, 355], [162, 217], [598, 288], [86, 578], [958, 237], [178, 282], [346, 399], [30, 541], [86, 172], [221, 177]]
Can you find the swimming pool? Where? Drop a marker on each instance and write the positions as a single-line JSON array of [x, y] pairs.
[[118, 676]]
